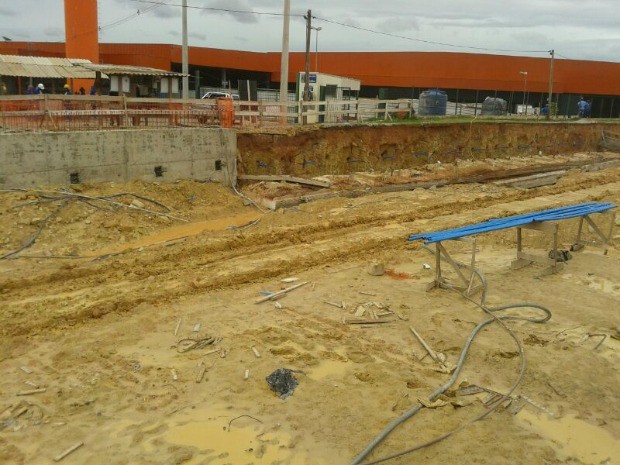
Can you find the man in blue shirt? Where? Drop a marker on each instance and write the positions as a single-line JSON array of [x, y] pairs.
[[582, 106]]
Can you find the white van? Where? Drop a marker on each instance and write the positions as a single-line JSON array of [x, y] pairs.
[[214, 95]]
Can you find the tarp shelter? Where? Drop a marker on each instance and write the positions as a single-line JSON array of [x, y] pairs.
[[44, 67], [49, 69]]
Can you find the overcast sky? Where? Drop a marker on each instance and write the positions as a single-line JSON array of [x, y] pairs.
[[576, 29]]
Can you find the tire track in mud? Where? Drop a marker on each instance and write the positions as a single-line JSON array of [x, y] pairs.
[[72, 293]]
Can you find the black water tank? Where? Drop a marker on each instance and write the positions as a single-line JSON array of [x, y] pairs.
[[433, 103]]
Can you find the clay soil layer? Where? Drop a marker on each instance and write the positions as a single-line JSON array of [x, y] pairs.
[[97, 315], [314, 151]]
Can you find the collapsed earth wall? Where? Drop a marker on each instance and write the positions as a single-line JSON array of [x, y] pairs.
[[38, 159], [317, 151]]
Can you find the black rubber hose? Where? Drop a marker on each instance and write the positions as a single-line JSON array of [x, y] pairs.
[[411, 412]]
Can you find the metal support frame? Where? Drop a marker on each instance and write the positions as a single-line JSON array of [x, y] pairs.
[[525, 259], [606, 240], [466, 284]]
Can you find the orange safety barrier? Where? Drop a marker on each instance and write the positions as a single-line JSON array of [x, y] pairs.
[[225, 107]]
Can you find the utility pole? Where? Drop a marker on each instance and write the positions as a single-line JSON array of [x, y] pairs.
[[284, 61], [184, 55], [524, 73], [552, 52], [308, 38]]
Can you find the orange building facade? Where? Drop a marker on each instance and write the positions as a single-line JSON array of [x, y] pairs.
[[392, 70], [376, 69]]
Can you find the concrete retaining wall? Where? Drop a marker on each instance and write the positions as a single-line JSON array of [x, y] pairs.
[[46, 159]]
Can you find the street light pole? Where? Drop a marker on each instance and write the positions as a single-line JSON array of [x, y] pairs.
[[308, 18], [552, 53], [524, 74], [316, 49], [284, 62], [184, 55]]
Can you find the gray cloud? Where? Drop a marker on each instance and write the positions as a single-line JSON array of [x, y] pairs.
[[576, 28], [238, 5], [166, 12], [398, 25], [195, 35], [7, 12], [54, 32]]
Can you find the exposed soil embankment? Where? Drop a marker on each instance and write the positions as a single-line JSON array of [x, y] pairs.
[[341, 150]]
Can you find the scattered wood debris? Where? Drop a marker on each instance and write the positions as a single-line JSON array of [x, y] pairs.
[[68, 451], [31, 391], [432, 404], [280, 293], [444, 367], [201, 374], [333, 304], [365, 321]]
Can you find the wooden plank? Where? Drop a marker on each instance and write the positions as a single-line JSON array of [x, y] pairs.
[[283, 178], [535, 180]]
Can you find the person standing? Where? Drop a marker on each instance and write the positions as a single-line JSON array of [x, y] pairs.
[[30, 90], [582, 106], [67, 89]]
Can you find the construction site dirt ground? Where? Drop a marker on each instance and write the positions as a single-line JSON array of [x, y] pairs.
[[95, 313]]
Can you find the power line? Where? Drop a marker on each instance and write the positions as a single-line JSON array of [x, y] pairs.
[[132, 16], [121, 21], [445, 44], [224, 10], [351, 26]]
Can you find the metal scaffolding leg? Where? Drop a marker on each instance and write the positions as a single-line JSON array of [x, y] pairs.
[[605, 240], [466, 282]]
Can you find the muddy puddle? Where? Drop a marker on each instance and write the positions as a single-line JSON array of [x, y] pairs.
[[332, 369], [180, 232], [571, 437], [220, 438]]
